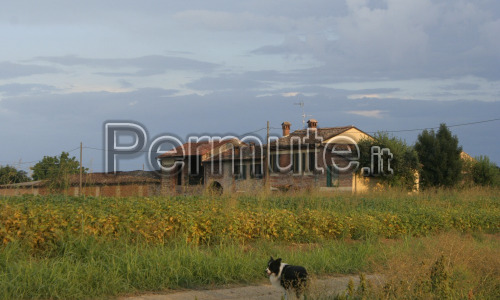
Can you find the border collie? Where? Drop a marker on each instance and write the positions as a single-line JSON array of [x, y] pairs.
[[287, 277]]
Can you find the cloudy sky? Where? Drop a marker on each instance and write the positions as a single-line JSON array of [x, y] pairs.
[[226, 67]]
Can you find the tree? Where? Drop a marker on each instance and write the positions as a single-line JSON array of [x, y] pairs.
[[57, 169], [10, 175], [484, 172], [404, 162], [439, 155]]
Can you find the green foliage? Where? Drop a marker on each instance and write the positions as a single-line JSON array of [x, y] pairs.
[[484, 172], [200, 220], [440, 284], [404, 162], [57, 169], [362, 292], [439, 155], [10, 175]]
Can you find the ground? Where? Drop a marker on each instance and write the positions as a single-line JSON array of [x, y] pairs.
[[320, 286]]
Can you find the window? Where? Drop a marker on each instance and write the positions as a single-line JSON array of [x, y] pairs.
[[179, 175], [296, 163], [215, 167], [195, 171], [194, 165], [312, 161], [240, 172], [273, 161], [256, 171], [303, 162]]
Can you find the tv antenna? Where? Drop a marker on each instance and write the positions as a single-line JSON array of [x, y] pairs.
[[304, 116]]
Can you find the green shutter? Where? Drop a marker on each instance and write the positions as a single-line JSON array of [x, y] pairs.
[[332, 176], [329, 176]]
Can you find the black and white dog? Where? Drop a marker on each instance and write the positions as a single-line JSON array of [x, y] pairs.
[[287, 277]]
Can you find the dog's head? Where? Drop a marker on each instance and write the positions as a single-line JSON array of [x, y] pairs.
[[273, 266]]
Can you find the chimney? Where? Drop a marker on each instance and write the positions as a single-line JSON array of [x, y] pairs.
[[286, 128], [312, 124]]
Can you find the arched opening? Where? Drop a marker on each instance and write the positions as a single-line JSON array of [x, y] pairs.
[[215, 188]]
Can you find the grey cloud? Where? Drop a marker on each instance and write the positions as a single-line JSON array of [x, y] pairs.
[[146, 65], [13, 70], [332, 92], [464, 86], [17, 89], [291, 45], [227, 82], [125, 84], [303, 81], [248, 20], [403, 40]]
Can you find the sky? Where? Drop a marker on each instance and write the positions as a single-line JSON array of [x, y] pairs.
[[218, 68]]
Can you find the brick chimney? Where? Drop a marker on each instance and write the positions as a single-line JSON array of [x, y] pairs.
[[286, 128], [312, 124]]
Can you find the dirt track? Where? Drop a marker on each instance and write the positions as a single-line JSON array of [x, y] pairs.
[[324, 286]]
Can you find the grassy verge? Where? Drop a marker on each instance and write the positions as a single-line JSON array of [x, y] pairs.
[[88, 268]]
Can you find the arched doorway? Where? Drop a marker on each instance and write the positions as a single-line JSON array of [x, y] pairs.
[[215, 188]]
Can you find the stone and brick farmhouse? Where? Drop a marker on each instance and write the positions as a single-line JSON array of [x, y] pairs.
[[311, 158]]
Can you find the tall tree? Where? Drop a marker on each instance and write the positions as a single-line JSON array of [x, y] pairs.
[[439, 154], [404, 162], [9, 174], [57, 169]]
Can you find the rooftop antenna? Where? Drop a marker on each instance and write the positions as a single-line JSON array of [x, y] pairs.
[[304, 116]]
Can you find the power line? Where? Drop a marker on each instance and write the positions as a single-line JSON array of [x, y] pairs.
[[428, 128], [252, 132], [34, 161]]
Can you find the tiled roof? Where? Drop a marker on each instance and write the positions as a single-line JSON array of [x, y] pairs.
[[246, 152], [200, 148], [321, 133]]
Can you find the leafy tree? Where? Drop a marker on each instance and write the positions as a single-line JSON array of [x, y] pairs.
[[57, 169], [10, 175], [439, 154], [404, 161], [484, 172]]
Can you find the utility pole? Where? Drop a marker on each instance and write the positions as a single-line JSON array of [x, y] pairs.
[[267, 187], [81, 170]]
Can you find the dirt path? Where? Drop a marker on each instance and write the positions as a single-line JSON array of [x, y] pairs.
[[323, 287]]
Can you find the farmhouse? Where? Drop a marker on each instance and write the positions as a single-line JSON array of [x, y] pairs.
[[319, 158]]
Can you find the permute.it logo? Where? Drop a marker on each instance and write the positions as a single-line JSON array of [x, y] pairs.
[[129, 140]]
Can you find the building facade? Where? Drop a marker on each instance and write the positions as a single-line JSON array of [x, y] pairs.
[[313, 158]]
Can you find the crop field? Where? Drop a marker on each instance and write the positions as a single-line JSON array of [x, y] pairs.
[[63, 247]]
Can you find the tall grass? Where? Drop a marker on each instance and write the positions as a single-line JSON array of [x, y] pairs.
[[447, 266], [88, 268]]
